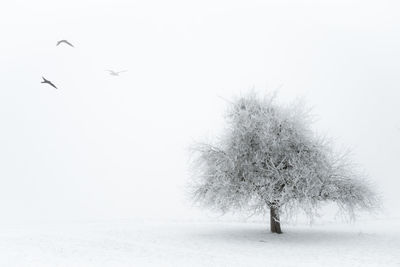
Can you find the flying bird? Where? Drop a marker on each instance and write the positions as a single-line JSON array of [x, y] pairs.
[[48, 82], [115, 73], [65, 42]]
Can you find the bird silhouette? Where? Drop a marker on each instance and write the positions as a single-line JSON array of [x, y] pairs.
[[48, 82], [65, 42], [115, 73]]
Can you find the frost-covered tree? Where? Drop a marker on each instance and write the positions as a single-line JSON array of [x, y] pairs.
[[270, 159]]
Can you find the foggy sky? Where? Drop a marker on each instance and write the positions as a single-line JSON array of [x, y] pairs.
[[104, 147]]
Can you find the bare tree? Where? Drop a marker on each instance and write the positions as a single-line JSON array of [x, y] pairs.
[[269, 159]]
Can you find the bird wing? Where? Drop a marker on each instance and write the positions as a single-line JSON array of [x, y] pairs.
[[113, 72], [68, 43], [64, 41], [52, 84]]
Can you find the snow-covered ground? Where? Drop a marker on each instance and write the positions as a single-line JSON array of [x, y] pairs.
[[365, 243]]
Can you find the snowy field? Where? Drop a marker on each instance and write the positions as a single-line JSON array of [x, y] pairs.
[[365, 243]]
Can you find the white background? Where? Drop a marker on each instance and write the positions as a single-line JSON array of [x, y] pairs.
[[104, 147]]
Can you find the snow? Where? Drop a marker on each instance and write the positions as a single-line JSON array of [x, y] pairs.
[[169, 243]]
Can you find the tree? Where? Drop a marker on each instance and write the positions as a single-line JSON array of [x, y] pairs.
[[270, 159]]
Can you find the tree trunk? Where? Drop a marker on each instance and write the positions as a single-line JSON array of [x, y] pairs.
[[275, 223]]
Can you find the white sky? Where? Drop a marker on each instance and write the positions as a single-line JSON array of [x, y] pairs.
[[116, 147]]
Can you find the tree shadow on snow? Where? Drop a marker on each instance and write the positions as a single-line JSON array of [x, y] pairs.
[[292, 235]]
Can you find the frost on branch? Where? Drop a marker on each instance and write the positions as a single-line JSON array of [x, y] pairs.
[[268, 158]]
